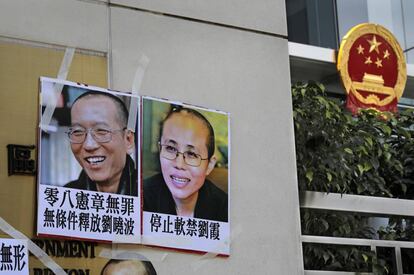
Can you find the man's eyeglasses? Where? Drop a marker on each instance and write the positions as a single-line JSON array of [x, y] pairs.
[[101, 135], [171, 153]]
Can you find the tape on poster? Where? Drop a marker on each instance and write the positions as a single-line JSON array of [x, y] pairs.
[[136, 86], [116, 250], [164, 257], [120, 254], [124, 254], [57, 89], [37, 251], [204, 259]]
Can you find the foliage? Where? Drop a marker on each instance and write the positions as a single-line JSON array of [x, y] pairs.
[[334, 257], [371, 154], [335, 152], [342, 258], [398, 228], [334, 224]]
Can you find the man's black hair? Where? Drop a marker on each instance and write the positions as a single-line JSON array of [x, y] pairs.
[[120, 105], [149, 268], [176, 109]]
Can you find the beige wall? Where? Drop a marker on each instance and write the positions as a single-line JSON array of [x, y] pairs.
[[21, 65], [260, 15], [226, 67]]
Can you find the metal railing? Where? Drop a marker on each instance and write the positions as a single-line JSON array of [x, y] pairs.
[[362, 205]]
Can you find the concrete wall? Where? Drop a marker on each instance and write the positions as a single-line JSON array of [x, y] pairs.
[[224, 54]]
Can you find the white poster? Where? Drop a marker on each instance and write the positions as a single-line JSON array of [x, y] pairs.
[[185, 160], [88, 163], [14, 257]]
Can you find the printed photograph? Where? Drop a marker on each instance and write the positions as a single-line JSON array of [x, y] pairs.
[[88, 159], [185, 158]]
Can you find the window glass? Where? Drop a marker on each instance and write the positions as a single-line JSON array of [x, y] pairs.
[[312, 22]]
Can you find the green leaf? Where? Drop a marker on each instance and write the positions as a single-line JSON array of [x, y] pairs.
[[366, 258], [375, 163], [360, 168], [326, 257], [309, 175], [329, 176], [386, 129], [325, 224], [404, 188], [369, 140], [387, 155], [349, 151], [306, 216], [347, 229], [321, 86], [303, 91], [367, 166]]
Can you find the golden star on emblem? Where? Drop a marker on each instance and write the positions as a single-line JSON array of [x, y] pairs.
[[368, 60], [360, 49], [374, 44], [378, 62], [386, 54]]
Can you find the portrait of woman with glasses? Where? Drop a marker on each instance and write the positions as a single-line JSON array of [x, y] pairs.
[[187, 156]]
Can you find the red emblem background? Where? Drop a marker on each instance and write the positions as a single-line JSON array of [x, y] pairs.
[[375, 53]]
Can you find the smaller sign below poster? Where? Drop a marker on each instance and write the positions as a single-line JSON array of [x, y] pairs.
[[14, 257]]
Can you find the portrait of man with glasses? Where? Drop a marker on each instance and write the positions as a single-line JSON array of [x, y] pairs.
[[88, 172], [101, 143], [186, 155]]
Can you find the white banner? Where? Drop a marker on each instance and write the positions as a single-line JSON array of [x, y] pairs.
[[14, 257], [88, 215], [186, 233]]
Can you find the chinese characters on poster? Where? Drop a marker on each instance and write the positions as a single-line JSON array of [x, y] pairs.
[[90, 151], [14, 257], [186, 180], [88, 176]]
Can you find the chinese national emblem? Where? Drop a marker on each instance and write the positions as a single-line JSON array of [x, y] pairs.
[[372, 67]]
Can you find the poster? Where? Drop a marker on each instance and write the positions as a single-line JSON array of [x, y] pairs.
[[185, 166], [88, 163], [14, 257], [90, 258]]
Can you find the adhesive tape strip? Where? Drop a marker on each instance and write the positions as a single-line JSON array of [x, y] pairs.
[[37, 251], [127, 254], [119, 254], [203, 259], [62, 74], [65, 65], [117, 239], [164, 257], [136, 86]]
